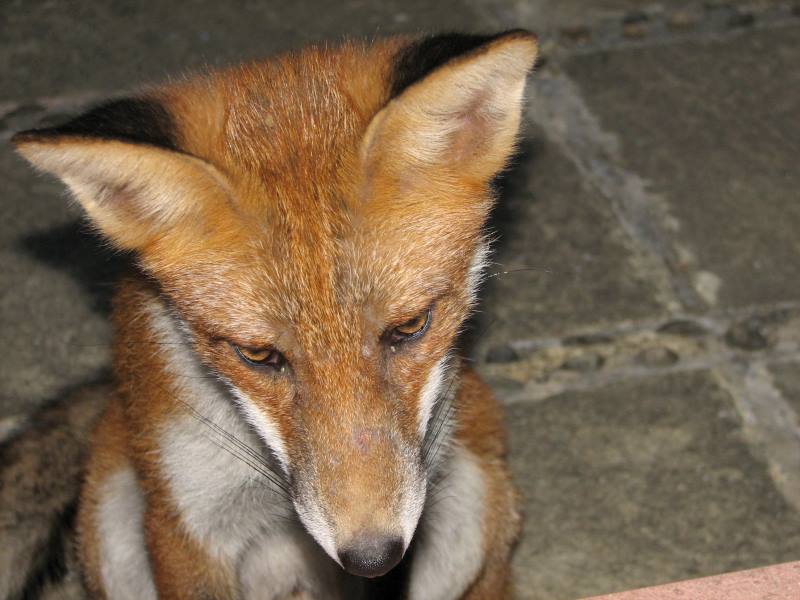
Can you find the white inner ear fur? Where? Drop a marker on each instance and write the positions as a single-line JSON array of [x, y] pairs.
[[129, 191], [469, 109]]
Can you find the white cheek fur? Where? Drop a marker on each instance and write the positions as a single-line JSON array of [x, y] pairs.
[[437, 376], [316, 524], [431, 391], [263, 424], [477, 270]]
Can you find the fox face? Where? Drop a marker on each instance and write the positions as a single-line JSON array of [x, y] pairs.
[[315, 225]]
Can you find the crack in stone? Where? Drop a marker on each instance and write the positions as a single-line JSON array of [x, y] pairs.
[[557, 107], [684, 343], [769, 422]]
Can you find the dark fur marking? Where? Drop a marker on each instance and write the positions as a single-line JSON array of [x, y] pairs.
[[429, 53], [52, 560], [135, 120]]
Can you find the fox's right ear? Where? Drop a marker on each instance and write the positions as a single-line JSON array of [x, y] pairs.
[[122, 164]]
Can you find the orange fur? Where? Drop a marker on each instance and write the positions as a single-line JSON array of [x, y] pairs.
[[303, 208]]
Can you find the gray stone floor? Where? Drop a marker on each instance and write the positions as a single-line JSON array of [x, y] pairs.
[[643, 322]]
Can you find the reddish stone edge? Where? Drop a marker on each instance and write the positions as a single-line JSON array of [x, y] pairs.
[[776, 582]]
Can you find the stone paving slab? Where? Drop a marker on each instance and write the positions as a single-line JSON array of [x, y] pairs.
[[561, 260], [57, 48], [554, 14], [787, 379], [715, 128], [54, 290], [640, 483]]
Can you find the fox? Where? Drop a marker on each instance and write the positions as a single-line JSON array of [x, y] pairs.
[[289, 416]]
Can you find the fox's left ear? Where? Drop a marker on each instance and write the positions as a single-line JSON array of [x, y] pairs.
[[122, 163], [456, 101]]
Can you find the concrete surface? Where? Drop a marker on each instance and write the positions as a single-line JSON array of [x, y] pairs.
[[648, 350], [787, 376], [641, 481], [713, 130], [561, 261]]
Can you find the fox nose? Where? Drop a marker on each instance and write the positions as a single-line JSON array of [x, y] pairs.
[[371, 555]]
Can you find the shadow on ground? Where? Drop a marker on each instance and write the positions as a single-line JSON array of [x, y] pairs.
[[78, 251]]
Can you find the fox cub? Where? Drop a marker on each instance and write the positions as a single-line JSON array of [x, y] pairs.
[[289, 417]]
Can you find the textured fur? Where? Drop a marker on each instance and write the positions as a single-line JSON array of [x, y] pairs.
[[125, 569], [309, 204], [41, 466]]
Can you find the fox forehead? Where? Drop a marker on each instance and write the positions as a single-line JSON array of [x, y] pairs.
[[291, 123], [255, 286]]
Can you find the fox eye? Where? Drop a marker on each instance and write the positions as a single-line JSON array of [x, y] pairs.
[[262, 357], [411, 329]]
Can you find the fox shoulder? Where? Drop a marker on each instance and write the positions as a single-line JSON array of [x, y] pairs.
[[41, 467]]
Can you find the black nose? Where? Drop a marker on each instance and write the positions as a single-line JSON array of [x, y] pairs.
[[371, 555]]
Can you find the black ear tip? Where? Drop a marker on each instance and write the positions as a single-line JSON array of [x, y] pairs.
[[428, 53], [24, 137], [133, 120], [41, 134], [518, 33]]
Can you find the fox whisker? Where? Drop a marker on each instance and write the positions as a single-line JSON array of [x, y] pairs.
[[256, 460], [444, 427], [518, 270], [252, 465], [445, 402], [441, 420]]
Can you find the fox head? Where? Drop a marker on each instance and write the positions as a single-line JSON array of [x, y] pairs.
[[316, 223]]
